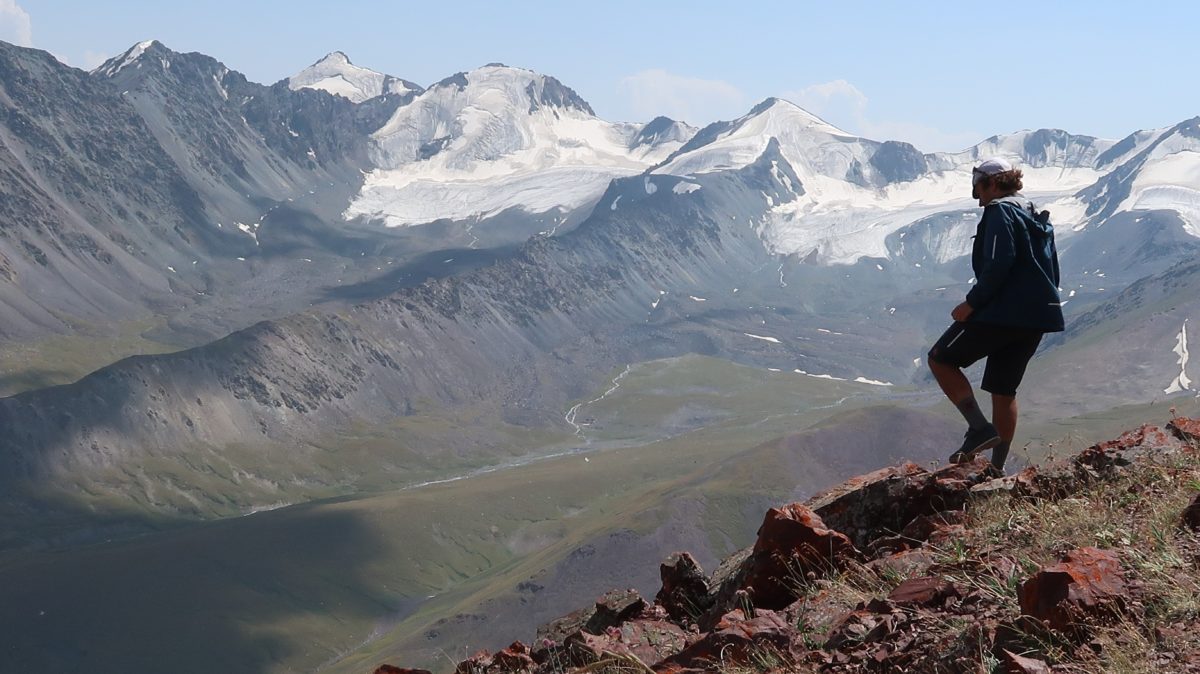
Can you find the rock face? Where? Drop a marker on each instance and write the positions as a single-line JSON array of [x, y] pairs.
[[1087, 584]]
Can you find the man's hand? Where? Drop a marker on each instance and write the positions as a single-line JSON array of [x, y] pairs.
[[962, 312]]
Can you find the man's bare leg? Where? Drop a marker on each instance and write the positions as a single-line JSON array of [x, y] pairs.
[[952, 380], [1004, 417]]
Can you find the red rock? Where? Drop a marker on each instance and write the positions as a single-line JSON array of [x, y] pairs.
[[614, 608], [685, 592], [1016, 664], [646, 640], [926, 591], [792, 542], [388, 669], [1187, 430], [906, 563], [733, 641], [512, 660], [1191, 515], [884, 502], [476, 664], [1104, 458], [1087, 583]]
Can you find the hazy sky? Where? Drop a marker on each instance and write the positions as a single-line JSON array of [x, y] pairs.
[[942, 75]]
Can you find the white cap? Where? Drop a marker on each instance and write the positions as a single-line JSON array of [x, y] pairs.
[[990, 167]]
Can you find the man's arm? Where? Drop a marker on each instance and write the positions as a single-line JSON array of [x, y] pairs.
[[999, 251]]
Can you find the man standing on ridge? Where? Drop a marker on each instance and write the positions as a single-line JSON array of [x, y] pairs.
[[1014, 302]]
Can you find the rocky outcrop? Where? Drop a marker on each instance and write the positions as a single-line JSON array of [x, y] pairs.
[[779, 605]]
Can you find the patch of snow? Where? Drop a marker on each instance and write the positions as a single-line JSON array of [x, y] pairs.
[[765, 339], [697, 299], [471, 152], [651, 188], [872, 382], [819, 376], [1169, 182], [684, 187], [616, 201], [1182, 382]]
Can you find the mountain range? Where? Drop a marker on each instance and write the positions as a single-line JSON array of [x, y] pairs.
[[345, 281]]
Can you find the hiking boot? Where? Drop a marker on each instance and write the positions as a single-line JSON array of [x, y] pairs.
[[975, 442], [999, 456]]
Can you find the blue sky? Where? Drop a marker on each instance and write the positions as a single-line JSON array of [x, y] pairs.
[[942, 75]]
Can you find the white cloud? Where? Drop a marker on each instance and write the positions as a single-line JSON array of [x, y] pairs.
[[15, 26], [690, 99], [844, 105]]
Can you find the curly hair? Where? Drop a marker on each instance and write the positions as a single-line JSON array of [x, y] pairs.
[[1008, 182]]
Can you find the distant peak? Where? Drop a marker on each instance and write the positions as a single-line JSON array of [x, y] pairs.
[[335, 58], [132, 55], [776, 105]]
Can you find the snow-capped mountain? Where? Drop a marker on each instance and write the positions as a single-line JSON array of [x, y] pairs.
[[337, 75], [497, 138]]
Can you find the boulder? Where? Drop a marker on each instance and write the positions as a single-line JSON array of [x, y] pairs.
[[1087, 583], [551, 636], [515, 659], [1187, 430], [926, 591], [614, 608], [685, 591], [648, 640], [792, 543], [735, 640], [882, 503]]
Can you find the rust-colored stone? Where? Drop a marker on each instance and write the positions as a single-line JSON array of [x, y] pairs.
[[1087, 583], [512, 660], [647, 640], [882, 503], [733, 641], [925, 591], [1187, 430], [685, 593], [614, 608], [792, 543], [1017, 664]]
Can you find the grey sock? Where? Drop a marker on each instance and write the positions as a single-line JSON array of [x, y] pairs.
[[971, 412], [1000, 454]]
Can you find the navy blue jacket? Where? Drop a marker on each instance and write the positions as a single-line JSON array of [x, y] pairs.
[[1016, 269]]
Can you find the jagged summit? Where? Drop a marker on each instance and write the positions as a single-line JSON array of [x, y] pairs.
[[132, 57], [337, 74], [540, 90], [495, 138]]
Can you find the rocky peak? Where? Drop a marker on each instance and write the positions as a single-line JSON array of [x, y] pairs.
[[335, 73]]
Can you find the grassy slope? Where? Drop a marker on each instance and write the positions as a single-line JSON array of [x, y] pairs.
[[353, 582], [297, 587], [62, 359]]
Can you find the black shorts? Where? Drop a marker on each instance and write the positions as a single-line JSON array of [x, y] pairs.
[[1007, 350]]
